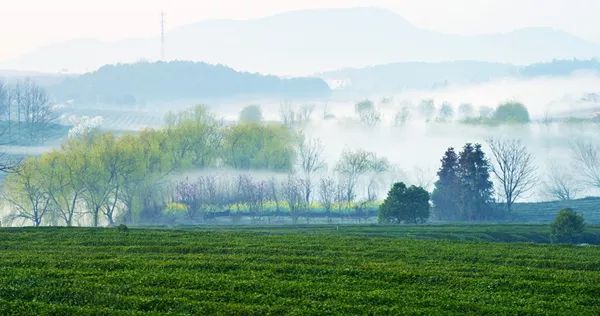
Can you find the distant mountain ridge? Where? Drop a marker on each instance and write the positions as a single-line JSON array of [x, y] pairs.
[[560, 68], [416, 75], [304, 42], [138, 83], [396, 77]]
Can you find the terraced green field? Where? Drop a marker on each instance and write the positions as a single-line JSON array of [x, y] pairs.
[[305, 270]]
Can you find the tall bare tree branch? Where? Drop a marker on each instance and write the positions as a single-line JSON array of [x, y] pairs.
[[514, 168], [587, 160]]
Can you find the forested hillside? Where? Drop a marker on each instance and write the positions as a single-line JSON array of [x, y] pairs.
[[142, 82]]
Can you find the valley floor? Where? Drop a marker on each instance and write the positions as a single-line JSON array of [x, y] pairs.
[[448, 269]]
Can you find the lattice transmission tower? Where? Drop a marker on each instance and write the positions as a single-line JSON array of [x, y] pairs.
[[162, 36]]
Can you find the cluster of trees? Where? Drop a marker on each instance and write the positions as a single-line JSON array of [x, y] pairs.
[[251, 114], [25, 110], [350, 189], [99, 175], [258, 146], [511, 112], [565, 181], [507, 112], [464, 190], [367, 113], [244, 195], [96, 177], [293, 117], [405, 205]]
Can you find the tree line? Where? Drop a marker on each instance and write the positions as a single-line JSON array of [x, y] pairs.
[[99, 178], [464, 190], [98, 175]]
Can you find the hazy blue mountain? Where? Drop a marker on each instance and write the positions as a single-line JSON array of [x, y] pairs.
[[163, 81], [44, 79], [416, 75], [304, 42], [420, 75], [560, 68]]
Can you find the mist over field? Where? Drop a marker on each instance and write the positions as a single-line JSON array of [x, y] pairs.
[[418, 144], [561, 110], [414, 147], [331, 157]]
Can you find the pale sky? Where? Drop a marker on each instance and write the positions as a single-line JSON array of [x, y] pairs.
[[28, 24]]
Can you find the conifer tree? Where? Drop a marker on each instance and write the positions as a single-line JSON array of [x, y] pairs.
[[447, 187], [463, 190], [477, 189]]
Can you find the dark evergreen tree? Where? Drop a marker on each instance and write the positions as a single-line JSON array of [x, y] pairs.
[[476, 196], [447, 188], [463, 190], [405, 205]]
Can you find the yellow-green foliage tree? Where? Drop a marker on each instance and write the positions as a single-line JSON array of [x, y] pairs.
[[26, 195], [61, 173], [100, 177], [194, 137], [256, 146]]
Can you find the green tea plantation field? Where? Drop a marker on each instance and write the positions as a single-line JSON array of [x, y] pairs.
[[339, 270]]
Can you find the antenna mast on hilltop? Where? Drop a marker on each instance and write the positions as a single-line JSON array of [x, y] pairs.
[[162, 36]]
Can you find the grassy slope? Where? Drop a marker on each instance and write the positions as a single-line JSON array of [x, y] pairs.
[[348, 270], [546, 211]]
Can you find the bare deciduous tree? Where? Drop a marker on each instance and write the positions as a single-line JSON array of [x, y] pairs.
[[4, 100], [311, 155], [33, 107], [341, 194], [423, 177], [189, 193], [513, 167], [367, 113], [40, 113], [6, 163], [587, 159], [305, 113], [353, 165], [292, 117], [310, 152], [560, 185], [292, 193], [273, 193], [327, 194], [29, 105], [402, 116]]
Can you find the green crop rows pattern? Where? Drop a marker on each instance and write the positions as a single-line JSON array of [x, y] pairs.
[[323, 270]]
